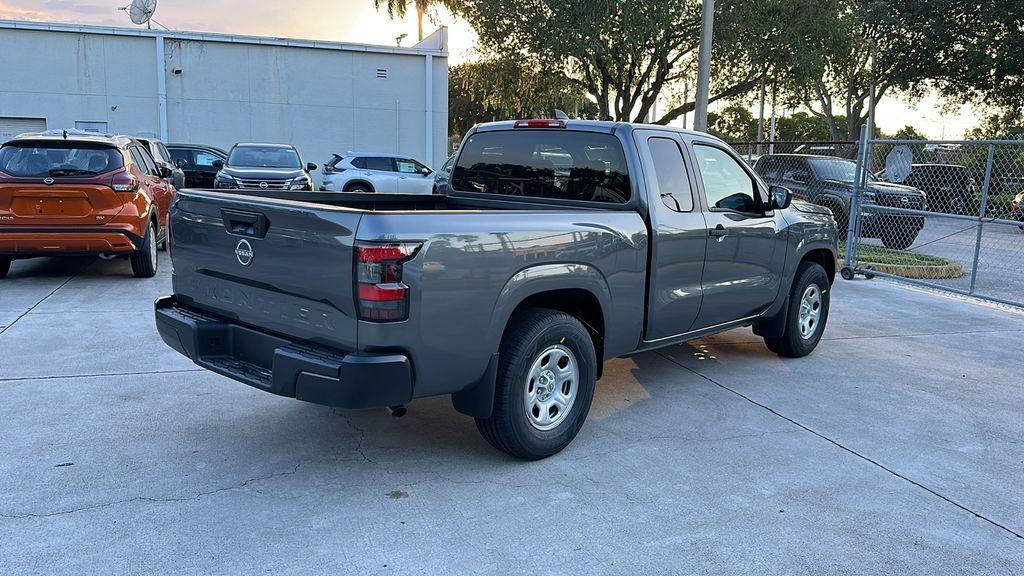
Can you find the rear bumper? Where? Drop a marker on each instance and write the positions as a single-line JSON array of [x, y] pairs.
[[280, 366], [25, 242]]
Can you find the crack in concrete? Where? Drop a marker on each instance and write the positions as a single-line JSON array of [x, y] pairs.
[[43, 299], [846, 448], [102, 374], [239, 486], [685, 439]]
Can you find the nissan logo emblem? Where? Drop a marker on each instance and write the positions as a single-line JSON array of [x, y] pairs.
[[263, 185], [48, 181], [904, 200], [244, 252]]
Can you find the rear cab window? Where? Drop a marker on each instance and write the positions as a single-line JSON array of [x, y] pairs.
[[60, 159], [536, 163]]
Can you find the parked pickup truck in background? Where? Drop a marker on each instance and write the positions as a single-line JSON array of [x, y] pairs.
[[558, 245]]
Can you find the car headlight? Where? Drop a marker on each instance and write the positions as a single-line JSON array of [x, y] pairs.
[[300, 183], [226, 181]]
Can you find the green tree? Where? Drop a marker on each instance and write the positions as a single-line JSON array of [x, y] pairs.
[[398, 9], [734, 123], [1007, 125], [909, 133], [502, 89], [630, 54], [801, 126]]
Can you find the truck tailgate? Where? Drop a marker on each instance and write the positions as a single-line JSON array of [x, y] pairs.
[[283, 267]]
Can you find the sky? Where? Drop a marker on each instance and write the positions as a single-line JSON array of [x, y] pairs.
[[357, 21]]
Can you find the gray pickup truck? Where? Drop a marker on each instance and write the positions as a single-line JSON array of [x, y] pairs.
[[554, 246]]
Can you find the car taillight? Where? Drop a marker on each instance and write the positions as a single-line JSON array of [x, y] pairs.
[[333, 169], [381, 296], [123, 182]]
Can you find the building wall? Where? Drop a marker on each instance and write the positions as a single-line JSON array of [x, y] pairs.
[[322, 99]]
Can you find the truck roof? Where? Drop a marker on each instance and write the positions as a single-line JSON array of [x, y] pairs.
[[592, 126]]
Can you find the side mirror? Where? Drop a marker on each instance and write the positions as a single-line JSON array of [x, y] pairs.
[[218, 164], [310, 167], [425, 171], [180, 163], [781, 197]]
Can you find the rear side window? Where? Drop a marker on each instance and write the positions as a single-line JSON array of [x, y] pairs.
[[58, 159], [556, 164], [378, 163], [670, 173]]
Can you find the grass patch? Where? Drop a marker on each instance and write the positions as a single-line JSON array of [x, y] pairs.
[[880, 255]]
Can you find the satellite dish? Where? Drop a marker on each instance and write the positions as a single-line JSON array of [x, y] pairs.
[[141, 11]]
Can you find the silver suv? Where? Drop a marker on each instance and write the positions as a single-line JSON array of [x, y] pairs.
[[382, 173]]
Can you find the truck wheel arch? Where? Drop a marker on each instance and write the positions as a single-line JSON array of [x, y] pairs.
[[576, 289]]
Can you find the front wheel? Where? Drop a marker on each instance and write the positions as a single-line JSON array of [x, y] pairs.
[[898, 238], [807, 314], [545, 384]]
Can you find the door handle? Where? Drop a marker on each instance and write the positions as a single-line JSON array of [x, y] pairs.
[[719, 232]]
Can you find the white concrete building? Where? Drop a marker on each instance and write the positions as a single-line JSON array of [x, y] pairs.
[[218, 89]]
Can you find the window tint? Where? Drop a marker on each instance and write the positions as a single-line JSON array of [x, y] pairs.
[[181, 154], [250, 156], [137, 159], [378, 163], [670, 173], [58, 159], [558, 164], [206, 159], [726, 185], [359, 162]]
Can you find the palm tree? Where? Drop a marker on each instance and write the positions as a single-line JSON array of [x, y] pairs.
[[397, 8]]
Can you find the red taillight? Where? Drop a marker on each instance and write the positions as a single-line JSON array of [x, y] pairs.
[[543, 123], [123, 182], [381, 296]]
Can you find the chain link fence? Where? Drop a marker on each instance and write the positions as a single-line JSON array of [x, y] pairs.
[[944, 214]]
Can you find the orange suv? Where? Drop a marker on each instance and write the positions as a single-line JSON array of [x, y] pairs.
[[73, 193]]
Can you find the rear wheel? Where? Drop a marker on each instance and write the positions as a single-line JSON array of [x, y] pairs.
[[5, 267], [807, 315], [545, 385], [144, 260], [359, 188]]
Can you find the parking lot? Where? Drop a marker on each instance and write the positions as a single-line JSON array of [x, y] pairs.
[[897, 447]]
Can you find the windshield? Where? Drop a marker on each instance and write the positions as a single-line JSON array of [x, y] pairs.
[[58, 159], [835, 169], [263, 157]]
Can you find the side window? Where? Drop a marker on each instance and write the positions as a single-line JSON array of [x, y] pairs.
[[406, 166], [205, 159], [670, 173], [726, 184], [137, 159], [147, 160], [377, 163], [162, 149], [359, 162], [182, 154], [796, 171]]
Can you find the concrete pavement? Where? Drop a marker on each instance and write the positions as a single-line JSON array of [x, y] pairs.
[[897, 448]]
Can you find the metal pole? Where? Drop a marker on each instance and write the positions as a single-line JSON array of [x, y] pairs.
[[771, 131], [428, 117], [981, 214], [854, 214], [161, 86], [686, 94], [700, 112], [760, 118], [871, 95]]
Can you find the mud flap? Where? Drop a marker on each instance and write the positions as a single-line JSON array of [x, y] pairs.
[[478, 401]]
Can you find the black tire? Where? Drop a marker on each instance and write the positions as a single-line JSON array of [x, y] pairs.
[[897, 238], [531, 335], [144, 261], [359, 188], [792, 343], [5, 267]]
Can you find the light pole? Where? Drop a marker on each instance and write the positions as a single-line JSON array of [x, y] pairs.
[[700, 111]]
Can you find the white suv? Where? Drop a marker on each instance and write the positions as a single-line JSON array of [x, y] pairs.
[[382, 173]]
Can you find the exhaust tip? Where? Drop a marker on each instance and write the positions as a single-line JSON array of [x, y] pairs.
[[397, 411]]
